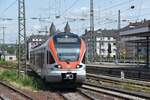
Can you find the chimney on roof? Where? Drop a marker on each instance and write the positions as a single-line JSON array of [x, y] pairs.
[[144, 20], [86, 31]]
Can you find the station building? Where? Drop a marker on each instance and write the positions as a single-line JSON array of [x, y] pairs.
[[135, 39]]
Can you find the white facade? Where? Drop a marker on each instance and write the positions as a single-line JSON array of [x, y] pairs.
[[98, 42], [102, 46], [10, 58]]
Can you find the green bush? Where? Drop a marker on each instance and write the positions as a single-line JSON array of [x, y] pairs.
[[12, 75]]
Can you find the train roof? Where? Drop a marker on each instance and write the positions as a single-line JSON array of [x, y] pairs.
[[65, 33]]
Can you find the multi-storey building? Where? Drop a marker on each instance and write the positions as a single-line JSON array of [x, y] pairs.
[[100, 43]]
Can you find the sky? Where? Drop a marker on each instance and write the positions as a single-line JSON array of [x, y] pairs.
[[76, 12]]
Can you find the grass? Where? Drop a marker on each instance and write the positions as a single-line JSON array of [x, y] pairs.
[[8, 64], [25, 81], [135, 87]]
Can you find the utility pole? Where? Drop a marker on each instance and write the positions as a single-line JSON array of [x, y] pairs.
[[22, 42], [92, 26], [118, 38], [119, 20], [3, 44], [91, 17]]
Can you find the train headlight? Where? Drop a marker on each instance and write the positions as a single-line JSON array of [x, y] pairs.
[[58, 66], [79, 66]]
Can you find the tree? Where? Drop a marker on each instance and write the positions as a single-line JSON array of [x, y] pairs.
[[52, 29], [97, 57], [67, 28]]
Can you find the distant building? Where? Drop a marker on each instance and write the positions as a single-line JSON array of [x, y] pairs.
[[99, 43], [10, 57], [133, 37]]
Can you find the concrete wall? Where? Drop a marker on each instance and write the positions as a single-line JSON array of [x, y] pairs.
[[10, 58]]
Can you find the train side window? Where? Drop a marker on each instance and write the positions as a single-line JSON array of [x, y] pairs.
[[50, 59]]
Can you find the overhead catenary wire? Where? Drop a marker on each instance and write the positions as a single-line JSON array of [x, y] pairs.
[[70, 7], [116, 5], [9, 6]]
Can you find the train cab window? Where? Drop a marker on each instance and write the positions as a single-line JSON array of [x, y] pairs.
[[50, 59]]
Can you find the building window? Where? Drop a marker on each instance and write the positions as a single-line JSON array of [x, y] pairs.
[[114, 56], [114, 43], [10, 58], [108, 38], [114, 50]]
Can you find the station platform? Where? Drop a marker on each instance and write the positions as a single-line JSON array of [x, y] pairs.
[[120, 66]]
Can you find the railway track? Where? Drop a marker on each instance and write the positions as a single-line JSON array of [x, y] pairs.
[[13, 93], [110, 90], [137, 73], [1, 98], [117, 80], [74, 95], [93, 87]]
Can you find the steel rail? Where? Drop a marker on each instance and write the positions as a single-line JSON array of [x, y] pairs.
[[136, 82], [119, 90], [78, 91], [62, 95], [136, 74], [115, 92], [16, 90], [1, 98], [82, 93]]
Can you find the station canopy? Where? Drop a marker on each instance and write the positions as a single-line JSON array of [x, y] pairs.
[[136, 32]]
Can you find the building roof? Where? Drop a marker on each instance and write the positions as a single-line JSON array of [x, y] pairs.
[[140, 29], [10, 54], [135, 25], [102, 33]]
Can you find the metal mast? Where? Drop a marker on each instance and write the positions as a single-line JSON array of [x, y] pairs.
[[22, 46], [118, 39], [92, 25], [119, 20], [3, 45], [91, 16]]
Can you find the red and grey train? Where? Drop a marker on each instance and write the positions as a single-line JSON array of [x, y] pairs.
[[61, 58]]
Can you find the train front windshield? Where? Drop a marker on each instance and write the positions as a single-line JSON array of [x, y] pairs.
[[68, 49]]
